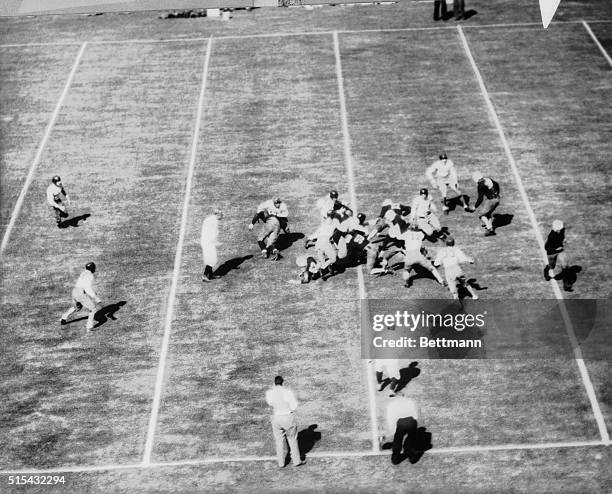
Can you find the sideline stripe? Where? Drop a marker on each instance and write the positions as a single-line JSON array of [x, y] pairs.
[[39, 152], [177, 266], [603, 431], [601, 48], [328, 454], [348, 159], [304, 33]]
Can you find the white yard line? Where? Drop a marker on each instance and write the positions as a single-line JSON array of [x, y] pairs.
[[322, 454], [303, 33], [601, 48], [603, 431], [39, 152], [348, 160], [159, 382]]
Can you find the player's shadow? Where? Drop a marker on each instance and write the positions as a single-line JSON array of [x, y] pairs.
[[108, 312], [288, 239], [569, 277], [500, 220], [306, 438], [420, 273], [74, 221], [229, 265], [407, 374], [469, 13], [414, 447]]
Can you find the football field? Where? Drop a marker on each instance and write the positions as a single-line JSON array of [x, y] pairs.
[[152, 124]]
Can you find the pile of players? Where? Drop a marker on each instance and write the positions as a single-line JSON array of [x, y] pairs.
[[393, 238]]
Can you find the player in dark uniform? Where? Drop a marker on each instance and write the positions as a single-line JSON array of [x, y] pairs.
[[488, 200], [557, 256]]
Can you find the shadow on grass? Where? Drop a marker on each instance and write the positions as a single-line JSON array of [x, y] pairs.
[[287, 240], [407, 374], [569, 277], [469, 13], [107, 312], [74, 221], [419, 273], [500, 220], [228, 266], [306, 438]]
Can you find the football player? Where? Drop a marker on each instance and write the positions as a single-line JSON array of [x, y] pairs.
[[443, 176], [274, 216], [555, 251], [58, 199], [84, 295], [423, 215], [451, 257], [488, 200]]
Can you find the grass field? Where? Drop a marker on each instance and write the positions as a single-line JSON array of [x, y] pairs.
[[152, 124]]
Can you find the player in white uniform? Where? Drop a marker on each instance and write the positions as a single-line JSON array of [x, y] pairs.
[[325, 251], [209, 240], [274, 214], [422, 214], [413, 256], [451, 257], [84, 295], [443, 176], [327, 203], [58, 199]]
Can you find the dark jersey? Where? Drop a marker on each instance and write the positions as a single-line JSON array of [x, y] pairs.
[[486, 192], [554, 243]]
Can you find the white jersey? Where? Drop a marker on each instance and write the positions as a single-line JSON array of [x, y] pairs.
[[443, 171], [413, 240], [54, 195], [451, 258], [422, 207], [349, 224], [268, 206], [400, 408], [325, 231], [210, 230], [85, 283], [325, 204]]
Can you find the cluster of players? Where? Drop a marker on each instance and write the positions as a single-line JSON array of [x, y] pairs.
[[393, 238]]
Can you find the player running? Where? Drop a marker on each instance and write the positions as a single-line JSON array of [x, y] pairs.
[[451, 257], [274, 216], [84, 295], [58, 199], [488, 200], [443, 176]]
